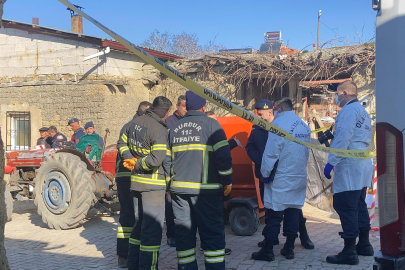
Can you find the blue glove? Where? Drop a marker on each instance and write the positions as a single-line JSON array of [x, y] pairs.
[[327, 170], [265, 180]]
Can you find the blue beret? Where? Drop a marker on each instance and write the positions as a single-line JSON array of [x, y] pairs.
[[88, 124], [194, 101], [264, 104], [73, 120]]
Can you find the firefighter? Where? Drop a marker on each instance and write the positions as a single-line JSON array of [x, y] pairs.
[[233, 142], [284, 195], [255, 148], [123, 180], [77, 130], [143, 147], [171, 120], [201, 174], [352, 175]]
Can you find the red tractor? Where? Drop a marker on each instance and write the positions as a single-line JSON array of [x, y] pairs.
[[64, 183]]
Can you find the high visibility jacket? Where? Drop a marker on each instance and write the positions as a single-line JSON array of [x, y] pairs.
[[122, 173], [145, 138], [201, 161]]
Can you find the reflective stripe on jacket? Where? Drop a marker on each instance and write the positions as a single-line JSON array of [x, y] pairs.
[[201, 161], [145, 138], [122, 173]]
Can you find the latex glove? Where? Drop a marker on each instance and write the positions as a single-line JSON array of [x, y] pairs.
[[238, 142], [130, 163], [327, 170], [265, 180], [227, 190]]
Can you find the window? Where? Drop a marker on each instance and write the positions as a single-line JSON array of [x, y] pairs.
[[18, 127]]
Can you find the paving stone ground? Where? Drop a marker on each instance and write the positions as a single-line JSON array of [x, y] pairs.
[[31, 245]]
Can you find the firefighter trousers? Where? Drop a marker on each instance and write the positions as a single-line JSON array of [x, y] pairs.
[[127, 217], [146, 235], [202, 212]]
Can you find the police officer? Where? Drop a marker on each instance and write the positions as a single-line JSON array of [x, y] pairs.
[[201, 175], [284, 196], [42, 140], [77, 130], [143, 147], [351, 175], [123, 180], [255, 148], [171, 120]]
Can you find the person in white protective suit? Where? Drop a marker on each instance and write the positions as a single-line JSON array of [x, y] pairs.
[[284, 195], [351, 175]]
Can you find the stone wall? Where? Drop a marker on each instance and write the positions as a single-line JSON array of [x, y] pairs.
[[46, 76]]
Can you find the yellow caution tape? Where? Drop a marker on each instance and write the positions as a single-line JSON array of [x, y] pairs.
[[321, 129], [214, 97]]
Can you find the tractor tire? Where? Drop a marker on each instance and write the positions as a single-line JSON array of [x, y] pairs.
[[243, 220], [64, 191], [9, 203]]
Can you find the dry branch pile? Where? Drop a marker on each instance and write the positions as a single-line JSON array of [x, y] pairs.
[[277, 70]]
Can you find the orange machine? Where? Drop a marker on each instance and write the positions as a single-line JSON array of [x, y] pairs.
[[245, 206]]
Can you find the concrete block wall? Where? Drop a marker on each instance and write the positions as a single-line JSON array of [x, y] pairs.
[[23, 54], [58, 103]]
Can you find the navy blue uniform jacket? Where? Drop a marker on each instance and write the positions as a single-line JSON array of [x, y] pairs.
[[255, 147]]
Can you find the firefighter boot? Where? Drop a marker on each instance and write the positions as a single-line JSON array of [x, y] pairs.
[[364, 247], [304, 237], [266, 252], [288, 250], [122, 262], [347, 256], [261, 243]]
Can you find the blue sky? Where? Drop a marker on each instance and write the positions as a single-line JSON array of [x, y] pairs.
[[234, 24]]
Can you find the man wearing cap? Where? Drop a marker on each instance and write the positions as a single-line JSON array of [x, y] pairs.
[[201, 173], [89, 127], [143, 146], [43, 133], [255, 148], [78, 131], [123, 180]]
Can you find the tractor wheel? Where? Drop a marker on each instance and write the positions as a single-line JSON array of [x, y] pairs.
[[244, 221], [63, 191], [9, 203]]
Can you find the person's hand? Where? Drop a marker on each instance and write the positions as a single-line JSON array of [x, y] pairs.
[[227, 189], [130, 163], [327, 170], [265, 180], [238, 142]]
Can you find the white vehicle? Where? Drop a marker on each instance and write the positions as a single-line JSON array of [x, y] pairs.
[[390, 101]]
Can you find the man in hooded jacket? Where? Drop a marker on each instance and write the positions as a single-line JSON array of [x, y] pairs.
[[285, 195], [352, 176]]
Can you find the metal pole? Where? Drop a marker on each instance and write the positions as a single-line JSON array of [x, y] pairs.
[[319, 20]]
